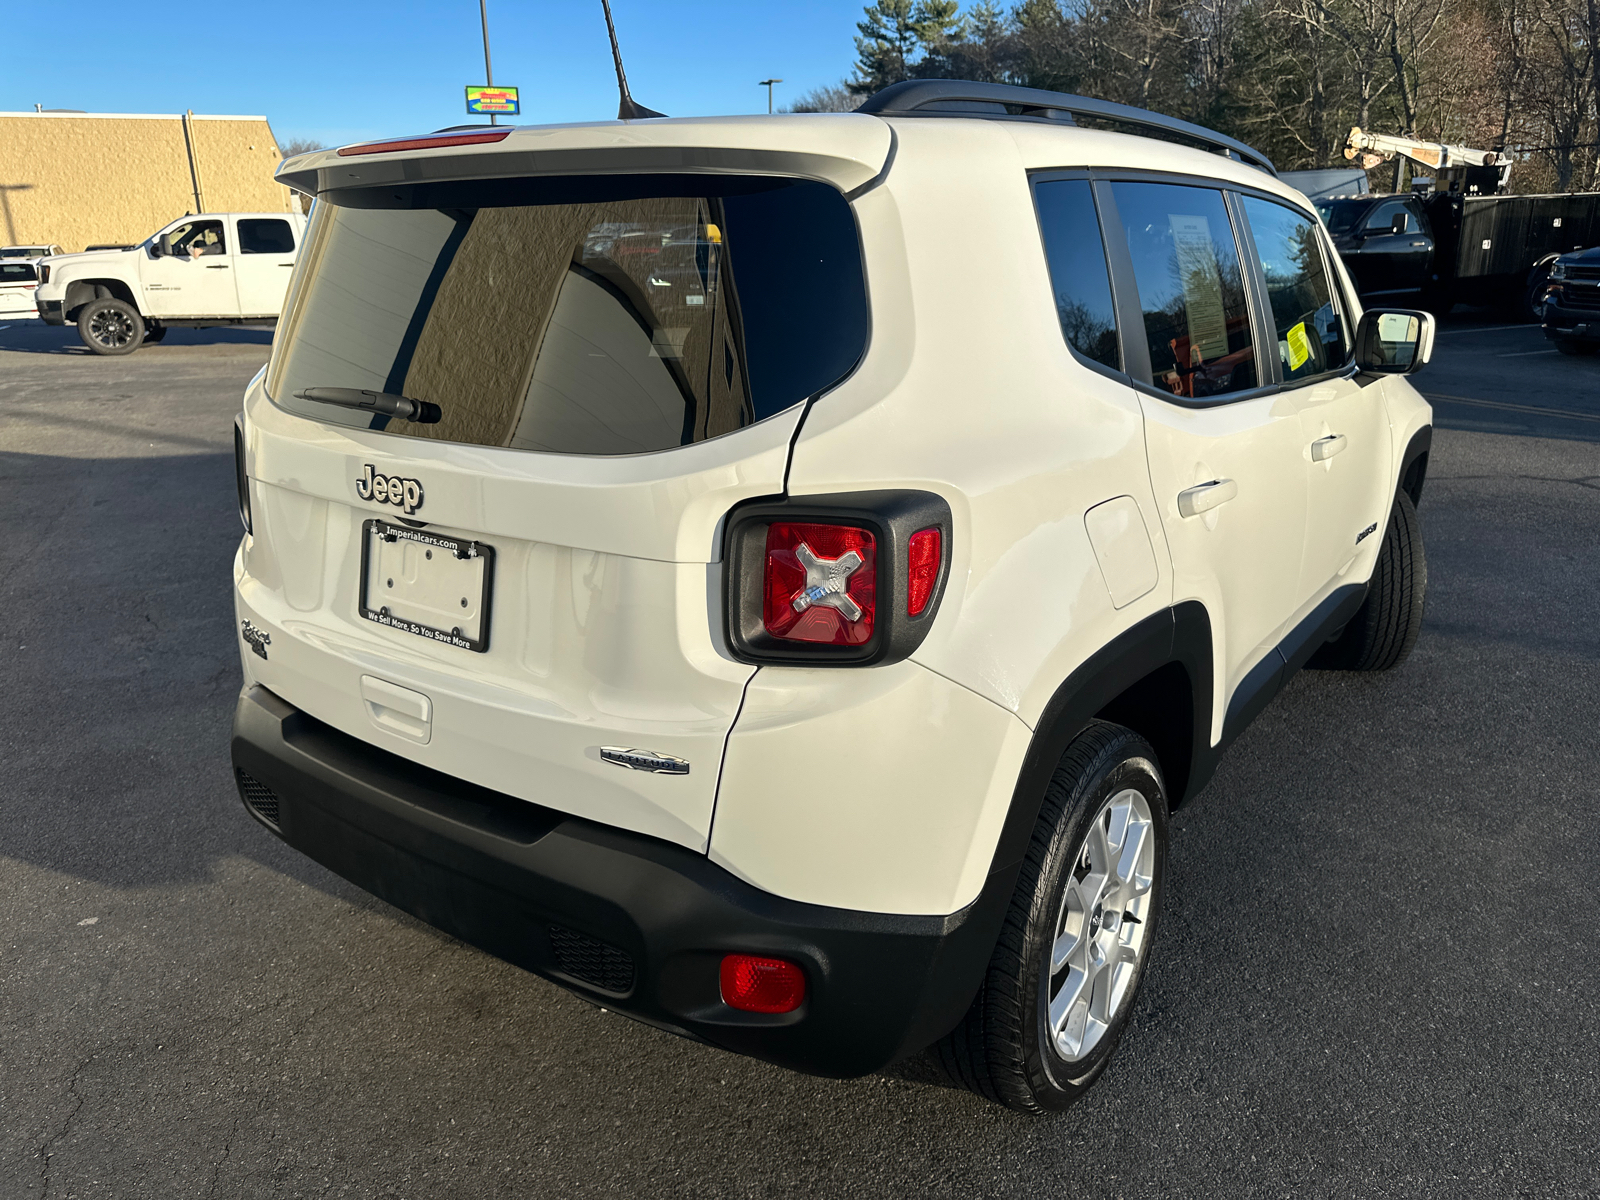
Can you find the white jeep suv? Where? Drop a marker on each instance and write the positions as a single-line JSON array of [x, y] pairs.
[[773, 576]]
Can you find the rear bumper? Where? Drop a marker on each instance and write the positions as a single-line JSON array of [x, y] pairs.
[[631, 922]]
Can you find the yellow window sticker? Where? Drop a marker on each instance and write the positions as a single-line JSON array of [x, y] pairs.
[[1299, 347]]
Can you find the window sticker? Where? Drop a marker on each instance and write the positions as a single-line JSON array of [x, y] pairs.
[[1202, 287], [1299, 346]]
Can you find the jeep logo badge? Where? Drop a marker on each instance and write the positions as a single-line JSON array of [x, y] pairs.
[[405, 494]]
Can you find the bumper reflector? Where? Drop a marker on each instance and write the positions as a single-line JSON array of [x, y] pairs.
[[762, 985]]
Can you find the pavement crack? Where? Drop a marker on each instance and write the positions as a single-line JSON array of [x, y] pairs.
[[46, 1149], [227, 1148]]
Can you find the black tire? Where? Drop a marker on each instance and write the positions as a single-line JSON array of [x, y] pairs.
[[1004, 1049], [110, 326], [154, 333], [1385, 627], [1574, 348], [1532, 301]]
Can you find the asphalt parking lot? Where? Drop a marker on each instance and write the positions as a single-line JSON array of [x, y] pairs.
[[1376, 976]]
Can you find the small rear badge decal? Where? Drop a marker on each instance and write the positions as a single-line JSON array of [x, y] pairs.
[[259, 639], [1366, 533], [644, 760]]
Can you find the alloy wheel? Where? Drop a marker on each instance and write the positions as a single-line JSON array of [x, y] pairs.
[[1100, 936]]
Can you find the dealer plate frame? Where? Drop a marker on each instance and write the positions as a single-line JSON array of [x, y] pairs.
[[460, 548]]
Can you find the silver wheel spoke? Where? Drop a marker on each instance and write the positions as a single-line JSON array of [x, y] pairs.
[[1100, 934]]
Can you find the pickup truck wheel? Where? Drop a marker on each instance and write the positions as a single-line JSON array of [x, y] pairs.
[[110, 326], [1533, 299], [1077, 937], [1385, 627]]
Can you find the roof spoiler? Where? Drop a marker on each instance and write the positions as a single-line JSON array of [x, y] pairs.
[[958, 98]]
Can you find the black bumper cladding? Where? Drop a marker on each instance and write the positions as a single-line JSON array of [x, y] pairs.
[[630, 922]]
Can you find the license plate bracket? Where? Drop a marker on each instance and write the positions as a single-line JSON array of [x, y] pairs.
[[411, 579]]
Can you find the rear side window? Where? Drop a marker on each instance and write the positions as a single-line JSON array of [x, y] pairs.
[[1312, 337], [1078, 273], [607, 315], [258, 235], [1191, 289]]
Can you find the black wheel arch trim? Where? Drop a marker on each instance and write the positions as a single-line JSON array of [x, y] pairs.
[[1415, 461]]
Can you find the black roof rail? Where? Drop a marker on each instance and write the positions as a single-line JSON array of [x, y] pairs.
[[958, 98]]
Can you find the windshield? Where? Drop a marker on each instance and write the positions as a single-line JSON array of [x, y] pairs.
[[636, 314], [1340, 216]]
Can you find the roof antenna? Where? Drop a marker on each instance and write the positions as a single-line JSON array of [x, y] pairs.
[[627, 110]]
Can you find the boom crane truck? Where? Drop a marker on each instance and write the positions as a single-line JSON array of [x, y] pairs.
[[1458, 238]]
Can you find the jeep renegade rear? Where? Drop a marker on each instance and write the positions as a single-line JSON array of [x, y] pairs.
[[773, 576]]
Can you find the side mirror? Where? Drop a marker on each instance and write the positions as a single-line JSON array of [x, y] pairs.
[[164, 246], [1398, 225], [1394, 341]]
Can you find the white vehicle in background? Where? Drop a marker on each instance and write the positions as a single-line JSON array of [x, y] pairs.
[[40, 251], [18, 278], [211, 269]]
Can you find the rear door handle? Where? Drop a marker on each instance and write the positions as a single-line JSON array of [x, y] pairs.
[[216, 266], [1325, 448], [1203, 497]]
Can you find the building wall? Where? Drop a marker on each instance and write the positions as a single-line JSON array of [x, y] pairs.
[[80, 179]]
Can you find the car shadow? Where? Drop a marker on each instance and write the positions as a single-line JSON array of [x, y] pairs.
[[29, 335]]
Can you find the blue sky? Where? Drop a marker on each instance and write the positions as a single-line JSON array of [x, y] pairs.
[[343, 70]]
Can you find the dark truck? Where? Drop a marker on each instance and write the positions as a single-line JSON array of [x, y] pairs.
[[1442, 249]]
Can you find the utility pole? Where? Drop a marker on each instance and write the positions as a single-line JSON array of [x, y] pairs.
[[767, 83], [488, 71]]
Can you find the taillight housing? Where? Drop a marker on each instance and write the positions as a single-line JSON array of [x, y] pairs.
[[240, 478], [752, 983], [842, 580]]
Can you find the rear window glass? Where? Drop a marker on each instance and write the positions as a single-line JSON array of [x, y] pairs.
[[16, 272], [616, 315], [1191, 288], [1078, 274], [261, 235]]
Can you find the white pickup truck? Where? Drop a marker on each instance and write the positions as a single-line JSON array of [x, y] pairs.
[[211, 269]]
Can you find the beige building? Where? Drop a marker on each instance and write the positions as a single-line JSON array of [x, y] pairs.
[[79, 179]]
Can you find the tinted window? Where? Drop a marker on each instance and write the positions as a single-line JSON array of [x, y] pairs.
[[15, 272], [1078, 274], [1383, 216], [612, 324], [1340, 216], [1186, 265], [1311, 334], [260, 236]]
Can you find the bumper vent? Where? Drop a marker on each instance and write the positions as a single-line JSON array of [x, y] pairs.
[[589, 959], [261, 799]]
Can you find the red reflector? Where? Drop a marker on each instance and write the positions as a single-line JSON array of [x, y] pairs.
[[923, 570], [425, 143], [819, 583], [762, 985]]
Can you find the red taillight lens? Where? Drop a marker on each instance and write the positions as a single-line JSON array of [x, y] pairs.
[[762, 985], [923, 569], [819, 583]]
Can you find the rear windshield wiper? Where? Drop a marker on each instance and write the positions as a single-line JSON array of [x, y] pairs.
[[383, 403]]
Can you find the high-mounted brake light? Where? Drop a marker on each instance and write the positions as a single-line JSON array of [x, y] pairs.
[[922, 569], [762, 985], [425, 143], [820, 583]]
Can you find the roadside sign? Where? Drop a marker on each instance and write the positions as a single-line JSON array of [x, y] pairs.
[[482, 100]]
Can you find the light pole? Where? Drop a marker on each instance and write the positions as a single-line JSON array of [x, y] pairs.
[[767, 83], [488, 71]]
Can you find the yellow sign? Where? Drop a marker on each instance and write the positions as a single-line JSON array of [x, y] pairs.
[[499, 100], [1299, 346]]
